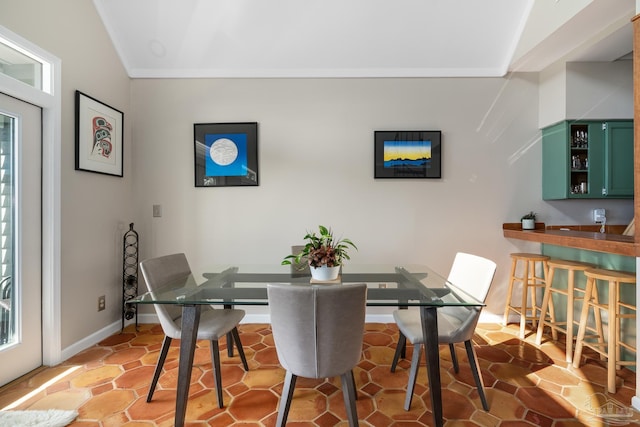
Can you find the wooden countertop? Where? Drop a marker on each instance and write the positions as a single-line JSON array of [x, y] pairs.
[[580, 239]]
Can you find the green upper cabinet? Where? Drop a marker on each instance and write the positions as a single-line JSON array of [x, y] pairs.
[[587, 160], [618, 154]]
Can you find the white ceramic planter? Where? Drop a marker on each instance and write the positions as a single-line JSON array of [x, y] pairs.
[[325, 273], [528, 224]]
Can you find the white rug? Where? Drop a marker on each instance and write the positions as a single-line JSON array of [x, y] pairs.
[[44, 418]]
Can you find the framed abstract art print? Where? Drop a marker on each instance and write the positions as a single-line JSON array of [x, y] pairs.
[[226, 154], [99, 130]]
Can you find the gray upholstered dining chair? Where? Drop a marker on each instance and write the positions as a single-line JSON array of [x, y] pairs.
[[318, 331], [473, 275], [214, 324]]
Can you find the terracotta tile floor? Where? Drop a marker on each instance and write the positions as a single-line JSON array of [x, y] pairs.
[[526, 385]]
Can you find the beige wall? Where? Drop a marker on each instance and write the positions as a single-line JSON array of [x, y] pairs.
[[316, 167], [597, 90], [93, 205], [586, 90]]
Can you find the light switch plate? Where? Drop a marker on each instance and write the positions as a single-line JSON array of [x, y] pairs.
[[157, 211], [599, 216]]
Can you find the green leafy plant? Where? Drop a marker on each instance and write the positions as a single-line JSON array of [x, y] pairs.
[[530, 215], [322, 249]]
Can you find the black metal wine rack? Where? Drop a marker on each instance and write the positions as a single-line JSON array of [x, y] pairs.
[[129, 275]]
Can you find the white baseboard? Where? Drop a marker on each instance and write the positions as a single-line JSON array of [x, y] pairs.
[[266, 318], [486, 317], [370, 318], [113, 328], [92, 339]]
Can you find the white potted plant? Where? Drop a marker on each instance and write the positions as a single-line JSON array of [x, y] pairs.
[[529, 221], [323, 253]]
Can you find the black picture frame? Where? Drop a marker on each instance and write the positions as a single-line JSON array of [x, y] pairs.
[[99, 136], [409, 154], [226, 154]]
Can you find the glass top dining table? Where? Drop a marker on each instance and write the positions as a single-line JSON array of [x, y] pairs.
[[246, 285]]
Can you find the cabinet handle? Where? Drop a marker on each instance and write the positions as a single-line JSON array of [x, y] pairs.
[[604, 191]]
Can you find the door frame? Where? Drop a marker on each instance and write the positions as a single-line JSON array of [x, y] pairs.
[[50, 100]]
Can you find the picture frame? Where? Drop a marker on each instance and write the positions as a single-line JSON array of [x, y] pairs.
[[99, 136], [408, 154], [225, 154]]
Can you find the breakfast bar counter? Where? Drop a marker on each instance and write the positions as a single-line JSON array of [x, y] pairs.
[[579, 237]]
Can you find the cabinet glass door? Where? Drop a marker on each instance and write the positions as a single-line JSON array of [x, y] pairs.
[[579, 159]]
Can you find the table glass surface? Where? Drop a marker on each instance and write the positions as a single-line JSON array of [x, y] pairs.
[[388, 285]]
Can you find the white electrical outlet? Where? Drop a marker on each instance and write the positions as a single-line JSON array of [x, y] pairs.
[[599, 216]]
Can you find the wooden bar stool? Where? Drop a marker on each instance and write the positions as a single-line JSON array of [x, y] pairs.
[[609, 348], [530, 283], [547, 314]]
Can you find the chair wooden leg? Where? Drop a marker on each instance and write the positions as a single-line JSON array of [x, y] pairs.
[[552, 319], [236, 338], [402, 342], [413, 374], [507, 309], [612, 342], [547, 305], [454, 358], [597, 313], [523, 300], [571, 296], [166, 343], [215, 357], [285, 399], [546, 297], [353, 382], [477, 375], [349, 393], [577, 353]]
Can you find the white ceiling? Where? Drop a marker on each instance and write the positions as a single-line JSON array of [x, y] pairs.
[[361, 38]]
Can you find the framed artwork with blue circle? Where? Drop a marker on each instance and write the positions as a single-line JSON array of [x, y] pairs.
[[226, 154]]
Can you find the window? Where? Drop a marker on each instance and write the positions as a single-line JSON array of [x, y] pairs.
[[18, 64]]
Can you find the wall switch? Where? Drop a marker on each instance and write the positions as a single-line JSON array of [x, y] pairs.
[[599, 216], [102, 303], [157, 211]]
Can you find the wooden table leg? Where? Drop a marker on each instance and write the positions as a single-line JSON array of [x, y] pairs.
[[189, 333], [432, 353]]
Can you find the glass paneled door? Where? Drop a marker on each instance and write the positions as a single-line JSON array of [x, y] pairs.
[[20, 238]]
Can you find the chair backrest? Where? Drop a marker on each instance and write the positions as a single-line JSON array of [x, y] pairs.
[[473, 274], [158, 273], [318, 329]]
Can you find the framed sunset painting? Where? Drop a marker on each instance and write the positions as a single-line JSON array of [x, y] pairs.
[[408, 154]]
